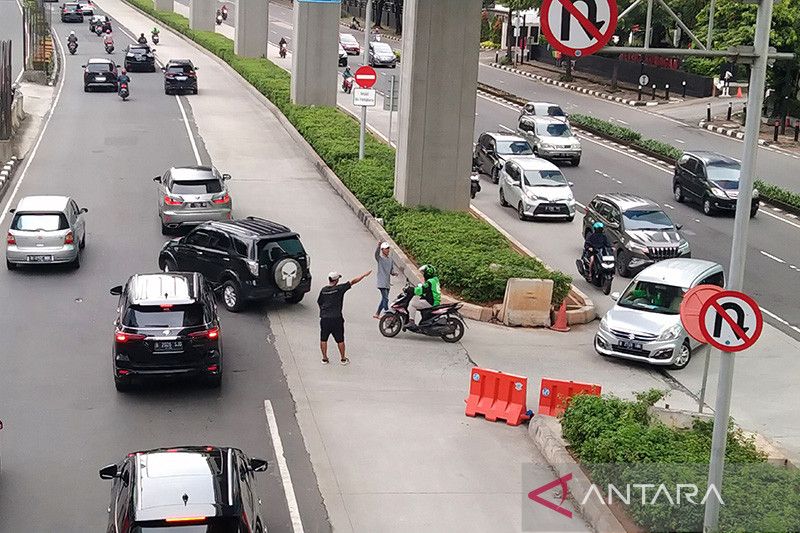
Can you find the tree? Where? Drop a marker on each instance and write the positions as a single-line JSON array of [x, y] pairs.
[[379, 5], [515, 5]]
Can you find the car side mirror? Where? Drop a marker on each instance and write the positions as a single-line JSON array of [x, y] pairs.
[[615, 296], [116, 291], [571, 184], [11, 211], [258, 465], [157, 179], [83, 66], [678, 227], [226, 176], [109, 472], [164, 69], [84, 210]]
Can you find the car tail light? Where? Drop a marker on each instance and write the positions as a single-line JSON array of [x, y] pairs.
[[212, 333], [169, 200], [192, 74], [122, 337], [212, 368], [222, 200], [10, 239], [69, 238], [186, 520]]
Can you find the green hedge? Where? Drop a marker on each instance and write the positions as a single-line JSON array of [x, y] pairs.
[[617, 442], [474, 260], [772, 192]]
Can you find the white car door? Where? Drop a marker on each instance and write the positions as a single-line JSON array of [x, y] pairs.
[[512, 189]]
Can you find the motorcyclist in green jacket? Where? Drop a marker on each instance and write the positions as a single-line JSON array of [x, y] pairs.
[[427, 294]]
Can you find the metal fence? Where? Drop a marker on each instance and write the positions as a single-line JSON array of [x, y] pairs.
[[37, 41], [6, 94]]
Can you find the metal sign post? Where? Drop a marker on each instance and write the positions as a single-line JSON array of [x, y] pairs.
[[390, 101], [365, 51]]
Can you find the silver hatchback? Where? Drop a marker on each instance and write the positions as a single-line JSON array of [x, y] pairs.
[[46, 230], [188, 196]]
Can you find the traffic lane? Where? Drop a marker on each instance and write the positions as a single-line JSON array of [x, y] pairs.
[[11, 28], [773, 166], [70, 315], [604, 169]]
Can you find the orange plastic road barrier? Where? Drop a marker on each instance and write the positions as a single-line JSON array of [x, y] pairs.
[[554, 394], [496, 395], [561, 318]]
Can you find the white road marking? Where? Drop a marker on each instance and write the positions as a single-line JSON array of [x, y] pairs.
[[283, 468], [32, 155], [774, 258], [669, 206], [796, 329], [779, 218], [776, 317], [620, 121], [680, 141], [189, 130]]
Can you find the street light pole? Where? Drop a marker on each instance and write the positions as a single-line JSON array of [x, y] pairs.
[[363, 132], [722, 407]]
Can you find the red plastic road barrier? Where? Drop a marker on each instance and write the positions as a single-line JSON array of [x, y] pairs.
[[496, 395], [555, 394]]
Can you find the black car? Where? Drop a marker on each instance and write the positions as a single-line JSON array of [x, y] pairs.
[[180, 75], [167, 325], [247, 259], [639, 230], [193, 489], [711, 180], [140, 57], [492, 149], [99, 20], [71, 12], [99, 73]]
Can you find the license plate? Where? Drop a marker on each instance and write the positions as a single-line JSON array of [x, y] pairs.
[[180, 78], [100, 78], [168, 346], [630, 345], [40, 258], [552, 208], [198, 204]]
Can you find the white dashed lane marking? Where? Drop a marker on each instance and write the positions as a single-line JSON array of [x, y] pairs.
[[774, 258]]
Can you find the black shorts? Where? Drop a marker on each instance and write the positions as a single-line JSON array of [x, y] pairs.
[[331, 326]]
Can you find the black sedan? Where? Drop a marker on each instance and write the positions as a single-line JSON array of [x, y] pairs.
[[99, 73], [140, 57], [71, 12]]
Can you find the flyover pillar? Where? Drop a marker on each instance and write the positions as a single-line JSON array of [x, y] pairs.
[[315, 53], [164, 5], [252, 26], [202, 14], [439, 81]]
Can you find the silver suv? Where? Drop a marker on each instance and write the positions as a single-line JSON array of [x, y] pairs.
[[551, 138], [46, 230], [191, 196]]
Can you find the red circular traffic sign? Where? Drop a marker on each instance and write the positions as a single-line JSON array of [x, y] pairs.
[[592, 31], [366, 77], [692, 304], [726, 332]]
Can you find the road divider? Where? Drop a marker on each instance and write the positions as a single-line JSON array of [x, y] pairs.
[[496, 395]]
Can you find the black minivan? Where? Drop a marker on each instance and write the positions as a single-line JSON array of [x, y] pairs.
[[166, 325], [711, 180]]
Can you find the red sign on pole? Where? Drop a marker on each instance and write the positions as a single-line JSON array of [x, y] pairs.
[[692, 304], [366, 77], [574, 33], [731, 321]]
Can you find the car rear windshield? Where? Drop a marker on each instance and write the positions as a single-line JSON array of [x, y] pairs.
[[554, 130], [275, 250], [98, 67], [196, 186], [654, 297], [641, 219], [139, 49], [211, 525], [382, 48], [545, 178], [71, 8], [156, 316], [514, 147], [179, 69], [39, 222], [347, 38]]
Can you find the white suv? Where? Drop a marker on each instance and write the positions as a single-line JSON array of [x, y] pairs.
[[536, 188], [645, 325]]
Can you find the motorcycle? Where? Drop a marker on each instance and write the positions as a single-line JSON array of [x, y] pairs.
[[442, 321], [475, 183], [72, 46], [224, 12], [219, 19], [154, 38], [283, 51], [109, 48], [347, 85], [123, 91], [98, 30], [602, 272]]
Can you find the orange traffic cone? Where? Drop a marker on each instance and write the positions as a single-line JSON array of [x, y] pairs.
[[739, 92], [561, 318]]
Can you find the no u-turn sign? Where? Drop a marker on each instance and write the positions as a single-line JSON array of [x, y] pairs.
[[578, 28]]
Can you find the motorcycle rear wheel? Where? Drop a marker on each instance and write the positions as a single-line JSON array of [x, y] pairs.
[[458, 330], [390, 325]]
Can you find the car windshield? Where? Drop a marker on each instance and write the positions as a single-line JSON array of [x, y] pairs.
[[514, 147], [39, 222], [545, 178], [139, 49], [382, 48], [98, 67], [724, 176], [654, 297], [553, 130], [155, 316], [554, 111], [274, 250], [196, 186], [646, 219]]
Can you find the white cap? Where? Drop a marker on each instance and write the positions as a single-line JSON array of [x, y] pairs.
[[333, 275], [384, 245]]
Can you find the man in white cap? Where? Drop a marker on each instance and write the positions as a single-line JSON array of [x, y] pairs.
[[331, 320], [383, 275]]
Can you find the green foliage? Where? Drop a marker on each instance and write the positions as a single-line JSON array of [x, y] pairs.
[[489, 44], [473, 259], [605, 128], [661, 148], [773, 192], [703, 66]]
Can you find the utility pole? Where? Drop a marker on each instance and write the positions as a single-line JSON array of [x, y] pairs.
[[722, 406], [363, 133], [710, 35]]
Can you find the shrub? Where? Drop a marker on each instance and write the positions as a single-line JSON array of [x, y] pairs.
[[773, 192], [661, 148], [605, 128], [488, 44]]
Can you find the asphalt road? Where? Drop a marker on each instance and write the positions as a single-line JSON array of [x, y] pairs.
[[63, 418], [11, 28]]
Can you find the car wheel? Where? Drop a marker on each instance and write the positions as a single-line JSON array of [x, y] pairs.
[[495, 177], [232, 296], [167, 91], [10, 265], [82, 244], [684, 355], [503, 201], [295, 297], [708, 209], [76, 263], [576, 161], [194, 91], [86, 88], [521, 211], [122, 384], [677, 193], [622, 265]]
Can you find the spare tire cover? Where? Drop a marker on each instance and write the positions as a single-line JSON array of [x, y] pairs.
[[287, 274]]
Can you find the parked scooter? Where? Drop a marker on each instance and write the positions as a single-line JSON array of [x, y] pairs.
[[347, 85], [475, 183], [72, 46], [442, 321], [602, 272], [123, 91]]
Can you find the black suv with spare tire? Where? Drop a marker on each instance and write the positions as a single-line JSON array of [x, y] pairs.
[[247, 259]]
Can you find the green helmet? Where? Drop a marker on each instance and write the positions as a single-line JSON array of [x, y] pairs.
[[428, 271]]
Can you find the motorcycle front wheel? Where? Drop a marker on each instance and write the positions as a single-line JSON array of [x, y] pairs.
[[457, 330], [607, 284], [390, 325]]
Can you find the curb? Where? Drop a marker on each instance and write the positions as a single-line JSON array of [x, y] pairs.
[[579, 89], [7, 172], [728, 131], [545, 432]]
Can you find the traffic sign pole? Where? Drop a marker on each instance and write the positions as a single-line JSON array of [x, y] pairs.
[[362, 135]]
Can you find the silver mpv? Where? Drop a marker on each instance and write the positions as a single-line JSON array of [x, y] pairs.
[[188, 196], [46, 230]]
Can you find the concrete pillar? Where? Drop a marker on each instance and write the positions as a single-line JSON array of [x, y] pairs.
[[315, 53], [164, 5], [201, 14], [439, 80], [252, 27]]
